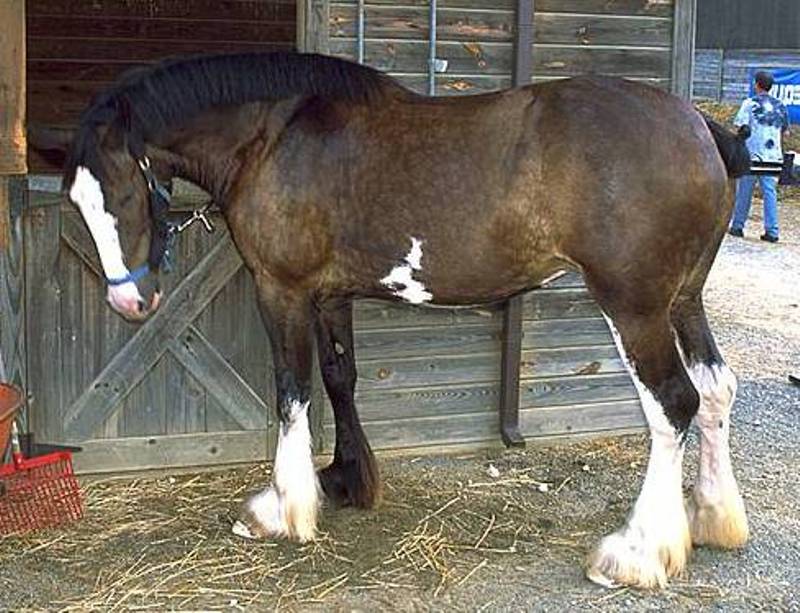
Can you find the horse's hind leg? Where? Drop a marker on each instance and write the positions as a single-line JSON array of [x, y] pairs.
[[716, 510], [352, 478], [289, 506], [654, 543]]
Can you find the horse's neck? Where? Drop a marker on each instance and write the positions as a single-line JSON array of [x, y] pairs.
[[209, 149]]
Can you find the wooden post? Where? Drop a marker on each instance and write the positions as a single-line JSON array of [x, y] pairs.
[[512, 315], [12, 105], [684, 28], [312, 26]]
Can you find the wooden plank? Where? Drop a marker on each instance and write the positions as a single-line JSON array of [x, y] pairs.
[[485, 397], [135, 51], [570, 29], [567, 303], [455, 85], [163, 30], [404, 22], [560, 391], [653, 8], [60, 70], [413, 342], [685, 26], [554, 61], [595, 417], [12, 296], [12, 94], [384, 374], [313, 17], [205, 363], [707, 74], [554, 333], [510, 354], [480, 5], [428, 400], [195, 10], [144, 408], [523, 42], [431, 430], [411, 56], [562, 361], [128, 367], [12, 107], [100, 456], [43, 320], [369, 314]]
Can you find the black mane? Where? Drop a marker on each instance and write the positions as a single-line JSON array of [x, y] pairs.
[[145, 101]]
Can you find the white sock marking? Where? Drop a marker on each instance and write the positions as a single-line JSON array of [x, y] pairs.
[[88, 196], [400, 279], [717, 388], [658, 519], [289, 506]]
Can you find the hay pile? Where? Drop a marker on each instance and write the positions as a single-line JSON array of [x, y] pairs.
[[165, 543]]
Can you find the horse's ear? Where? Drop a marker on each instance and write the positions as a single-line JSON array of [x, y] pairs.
[[51, 141]]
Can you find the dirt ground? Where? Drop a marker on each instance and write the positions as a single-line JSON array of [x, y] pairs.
[[493, 530]]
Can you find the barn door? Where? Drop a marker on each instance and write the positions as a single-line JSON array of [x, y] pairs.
[[191, 386]]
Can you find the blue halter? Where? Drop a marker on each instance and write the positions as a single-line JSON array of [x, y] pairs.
[[164, 232], [133, 276]]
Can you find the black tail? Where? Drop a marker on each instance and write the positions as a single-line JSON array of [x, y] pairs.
[[731, 148]]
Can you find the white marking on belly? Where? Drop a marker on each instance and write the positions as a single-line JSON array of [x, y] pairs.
[[401, 279], [88, 196]]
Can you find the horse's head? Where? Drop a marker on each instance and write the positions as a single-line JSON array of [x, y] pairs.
[[124, 206]]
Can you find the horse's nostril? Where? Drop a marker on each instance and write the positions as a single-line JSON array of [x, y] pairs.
[[142, 306]]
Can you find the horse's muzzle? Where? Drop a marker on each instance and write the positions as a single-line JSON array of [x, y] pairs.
[[126, 300]]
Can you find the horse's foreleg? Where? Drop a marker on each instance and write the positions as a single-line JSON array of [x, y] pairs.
[[289, 506], [716, 511], [352, 478], [654, 543]]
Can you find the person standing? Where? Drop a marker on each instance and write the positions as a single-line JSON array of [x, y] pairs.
[[768, 120]]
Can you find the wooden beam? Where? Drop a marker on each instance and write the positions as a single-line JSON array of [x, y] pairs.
[[523, 43], [684, 29], [312, 26], [12, 105], [511, 355], [511, 351]]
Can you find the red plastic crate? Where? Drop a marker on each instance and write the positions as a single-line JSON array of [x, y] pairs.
[[38, 493]]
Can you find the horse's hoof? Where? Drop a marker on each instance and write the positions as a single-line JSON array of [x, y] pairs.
[[629, 557], [723, 524]]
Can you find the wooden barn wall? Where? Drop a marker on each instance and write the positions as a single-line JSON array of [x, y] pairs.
[[78, 47], [630, 38], [747, 24], [433, 377], [725, 75], [143, 396]]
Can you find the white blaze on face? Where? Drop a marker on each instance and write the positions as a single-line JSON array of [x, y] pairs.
[[88, 196], [289, 507], [401, 279], [654, 542]]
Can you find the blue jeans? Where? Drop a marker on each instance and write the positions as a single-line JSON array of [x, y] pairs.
[[744, 196]]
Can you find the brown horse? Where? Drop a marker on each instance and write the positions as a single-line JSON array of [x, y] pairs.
[[337, 183]]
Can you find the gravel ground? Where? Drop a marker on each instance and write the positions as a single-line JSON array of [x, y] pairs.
[[450, 537]]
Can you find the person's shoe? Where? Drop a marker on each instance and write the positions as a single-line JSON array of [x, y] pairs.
[[770, 238], [736, 232]]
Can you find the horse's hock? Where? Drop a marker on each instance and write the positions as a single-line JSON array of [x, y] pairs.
[[193, 386]]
